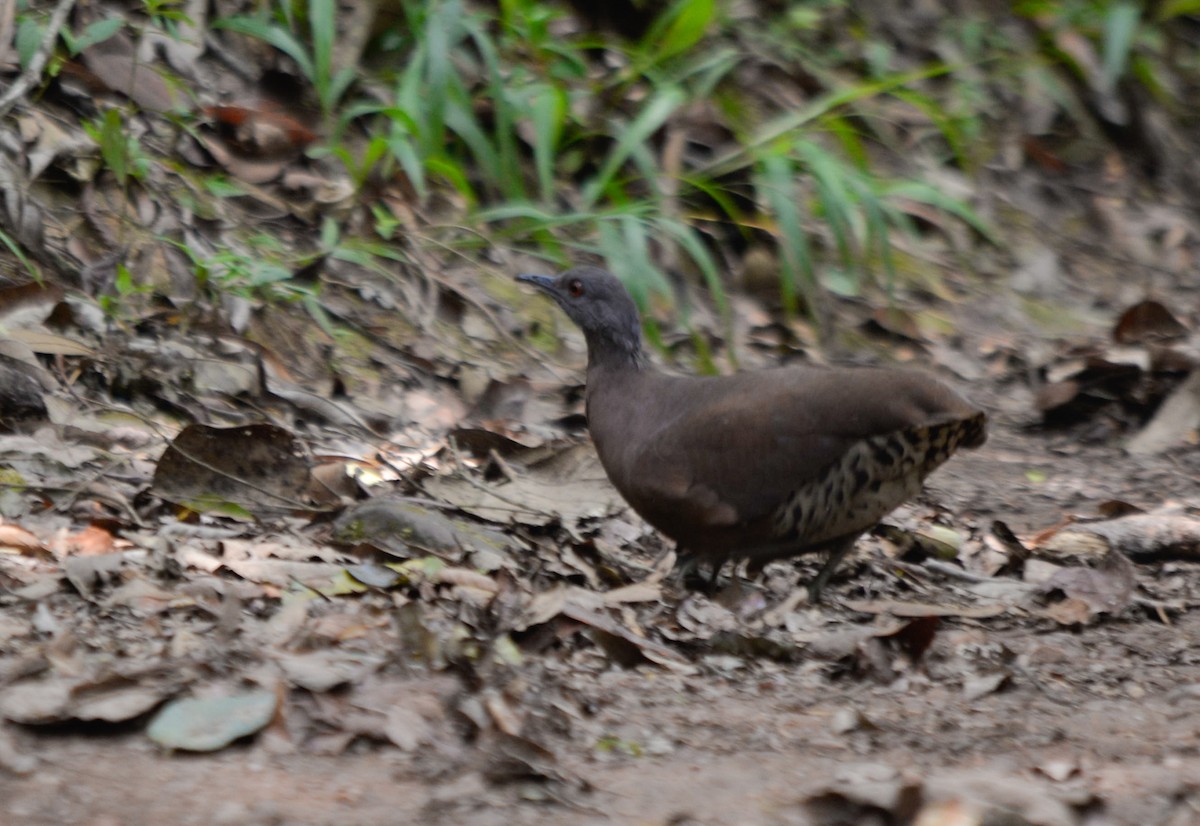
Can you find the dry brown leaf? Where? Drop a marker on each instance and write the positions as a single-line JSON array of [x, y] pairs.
[[1147, 321], [467, 578], [258, 467], [1167, 532], [91, 541], [115, 62], [1069, 612], [14, 538]]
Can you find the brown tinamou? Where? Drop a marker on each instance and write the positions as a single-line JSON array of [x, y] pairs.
[[758, 466]]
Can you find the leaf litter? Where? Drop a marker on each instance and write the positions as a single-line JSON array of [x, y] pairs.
[[321, 614], [470, 592]]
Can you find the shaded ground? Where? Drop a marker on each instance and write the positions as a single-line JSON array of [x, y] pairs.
[[1101, 719], [1092, 723], [532, 665]]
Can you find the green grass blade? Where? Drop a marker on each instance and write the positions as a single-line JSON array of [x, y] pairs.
[[789, 122], [834, 196], [460, 119], [548, 113], [678, 29], [1120, 29], [15, 248], [654, 114], [322, 23], [268, 32], [926, 194], [776, 185], [96, 32], [691, 243]]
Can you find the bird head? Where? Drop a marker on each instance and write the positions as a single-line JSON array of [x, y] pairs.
[[599, 303]]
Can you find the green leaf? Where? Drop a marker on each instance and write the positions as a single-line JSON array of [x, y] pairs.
[[322, 23], [341, 583], [97, 32], [330, 232], [516, 210], [337, 88], [661, 106], [547, 112], [689, 239], [789, 122], [213, 503], [460, 119], [222, 187], [1177, 8], [834, 195], [1120, 28], [123, 281], [13, 247], [877, 237], [776, 184], [403, 151], [947, 125], [926, 194], [114, 147], [453, 173], [679, 28], [272, 34], [623, 241], [29, 37]]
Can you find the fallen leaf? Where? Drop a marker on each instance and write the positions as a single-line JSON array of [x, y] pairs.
[[1105, 589], [569, 487], [15, 539], [209, 724], [1176, 421], [1147, 322], [259, 467], [321, 671], [91, 541]]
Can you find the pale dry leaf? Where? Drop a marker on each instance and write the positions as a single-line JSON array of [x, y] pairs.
[[1176, 421], [320, 671], [406, 728], [15, 539], [570, 487]]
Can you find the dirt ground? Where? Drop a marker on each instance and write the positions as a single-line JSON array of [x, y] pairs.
[[1009, 718], [981, 660], [194, 632], [989, 672]]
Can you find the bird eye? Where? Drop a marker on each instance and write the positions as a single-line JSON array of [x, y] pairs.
[[575, 288]]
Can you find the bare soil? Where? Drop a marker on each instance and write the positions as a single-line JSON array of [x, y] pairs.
[[1089, 723]]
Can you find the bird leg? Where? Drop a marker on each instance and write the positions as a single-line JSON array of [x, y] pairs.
[[836, 554], [714, 576], [690, 575]]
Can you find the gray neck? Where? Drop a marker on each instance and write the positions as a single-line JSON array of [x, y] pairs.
[[616, 350]]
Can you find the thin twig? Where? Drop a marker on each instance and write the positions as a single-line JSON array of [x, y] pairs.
[[33, 72]]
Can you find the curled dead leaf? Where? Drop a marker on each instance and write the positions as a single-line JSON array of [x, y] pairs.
[[15, 539]]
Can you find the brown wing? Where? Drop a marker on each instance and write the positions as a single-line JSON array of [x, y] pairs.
[[728, 450]]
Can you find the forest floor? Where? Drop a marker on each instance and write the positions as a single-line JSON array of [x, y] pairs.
[[748, 707], [326, 543]]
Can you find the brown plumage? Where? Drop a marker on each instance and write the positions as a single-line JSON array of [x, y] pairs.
[[756, 466]]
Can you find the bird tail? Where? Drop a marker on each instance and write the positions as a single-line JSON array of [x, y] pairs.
[[872, 478], [929, 446]]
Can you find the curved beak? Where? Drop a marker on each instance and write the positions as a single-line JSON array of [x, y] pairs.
[[542, 282]]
